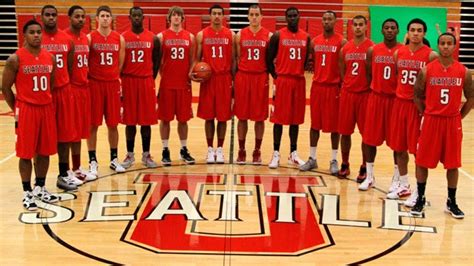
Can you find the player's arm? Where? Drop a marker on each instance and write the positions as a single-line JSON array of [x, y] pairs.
[[433, 55], [8, 78], [53, 74], [342, 65], [234, 61], [156, 56], [198, 56], [192, 51], [89, 39], [368, 65], [438, 30], [395, 59], [237, 48], [308, 52], [121, 53], [419, 91], [70, 59], [468, 93], [272, 53]]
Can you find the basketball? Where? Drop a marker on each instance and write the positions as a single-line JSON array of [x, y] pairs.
[[202, 70]]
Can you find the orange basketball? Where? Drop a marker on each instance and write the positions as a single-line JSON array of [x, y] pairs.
[[202, 70]]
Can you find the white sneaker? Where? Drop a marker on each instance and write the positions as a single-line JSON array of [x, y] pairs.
[[84, 175], [29, 201], [94, 168], [294, 159], [116, 166], [395, 184], [411, 201], [367, 183], [211, 156], [129, 160], [42, 194], [219, 155], [400, 192], [275, 162], [72, 177]]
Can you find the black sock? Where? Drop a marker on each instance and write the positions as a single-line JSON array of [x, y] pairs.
[[39, 181], [421, 189], [63, 168], [92, 156], [113, 154], [130, 145], [145, 131], [292, 147], [277, 131], [452, 194], [26, 185], [294, 129]]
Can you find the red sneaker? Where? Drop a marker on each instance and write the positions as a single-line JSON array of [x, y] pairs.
[[242, 156], [257, 158], [362, 174], [345, 171]]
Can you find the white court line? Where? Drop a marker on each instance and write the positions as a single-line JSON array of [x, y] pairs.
[[466, 174], [12, 155]]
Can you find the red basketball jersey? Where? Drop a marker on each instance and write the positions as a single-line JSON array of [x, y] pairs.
[[384, 78], [33, 78], [253, 48], [291, 53], [104, 56], [444, 87], [326, 58], [176, 59], [408, 65], [355, 56], [138, 53], [58, 44], [217, 49], [80, 66]]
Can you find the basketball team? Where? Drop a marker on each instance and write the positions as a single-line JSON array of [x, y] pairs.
[[68, 82]]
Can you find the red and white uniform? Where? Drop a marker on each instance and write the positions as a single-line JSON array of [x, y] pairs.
[[251, 81], [355, 87], [325, 87], [80, 84], [215, 94], [380, 102], [59, 44], [289, 101], [138, 84], [405, 119], [34, 108], [175, 96], [441, 128], [104, 77]]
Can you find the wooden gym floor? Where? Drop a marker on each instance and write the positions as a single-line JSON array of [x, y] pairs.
[[229, 214]]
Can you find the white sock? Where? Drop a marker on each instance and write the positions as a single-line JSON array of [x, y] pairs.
[[370, 170], [334, 155], [404, 180], [183, 142], [396, 173], [312, 152], [165, 143]]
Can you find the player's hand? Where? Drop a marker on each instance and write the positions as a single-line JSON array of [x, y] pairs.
[[193, 77]]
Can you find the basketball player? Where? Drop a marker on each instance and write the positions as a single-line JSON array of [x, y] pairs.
[[31, 69], [175, 96], [382, 73], [141, 64], [438, 91], [80, 88], [325, 90], [354, 93], [405, 119], [215, 47], [290, 47], [251, 82], [107, 53], [59, 44]]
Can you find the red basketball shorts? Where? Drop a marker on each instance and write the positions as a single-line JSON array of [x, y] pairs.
[[377, 118], [35, 130], [63, 99], [139, 101], [440, 141], [175, 102], [352, 108], [404, 126], [82, 106], [105, 102], [251, 96], [290, 101], [215, 98], [324, 107]]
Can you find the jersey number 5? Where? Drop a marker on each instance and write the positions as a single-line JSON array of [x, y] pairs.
[[444, 94]]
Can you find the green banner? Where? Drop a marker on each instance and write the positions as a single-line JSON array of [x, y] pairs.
[[403, 15]]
